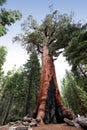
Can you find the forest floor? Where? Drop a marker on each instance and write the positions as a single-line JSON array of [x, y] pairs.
[[47, 127], [56, 127]]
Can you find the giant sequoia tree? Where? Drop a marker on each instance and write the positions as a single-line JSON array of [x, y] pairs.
[[49, 38]]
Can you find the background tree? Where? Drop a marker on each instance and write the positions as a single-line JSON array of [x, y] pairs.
[[32, 78], [12, 100], [3, 52], [6, 19], [73, 95], [13, 90], [20, 91], [76, 54]]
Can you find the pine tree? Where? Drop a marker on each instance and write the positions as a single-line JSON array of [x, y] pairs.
[[73, 95], [12, 99], [76, 55], [32, 77]]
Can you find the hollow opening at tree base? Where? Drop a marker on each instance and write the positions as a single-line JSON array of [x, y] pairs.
[[53, 111]]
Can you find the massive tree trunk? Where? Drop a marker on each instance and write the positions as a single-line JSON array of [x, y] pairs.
[[49, 107]]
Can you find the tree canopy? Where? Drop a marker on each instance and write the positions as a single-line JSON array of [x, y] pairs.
[[56, 31]]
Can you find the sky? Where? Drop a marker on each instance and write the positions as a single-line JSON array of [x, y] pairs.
[[17, 55]]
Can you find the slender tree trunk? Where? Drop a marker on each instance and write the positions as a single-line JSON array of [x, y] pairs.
[[8, 108], [27, 107], [48, 85]]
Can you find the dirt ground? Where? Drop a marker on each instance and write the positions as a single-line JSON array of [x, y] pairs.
[[56, 127], [48, 127]]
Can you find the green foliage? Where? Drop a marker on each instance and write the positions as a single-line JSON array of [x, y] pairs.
[[13, 96], [73, 95], [19, 91], [7, 84], [32, 77], [7, 18], [55, 31], [3, 52], [76, 54], [2, 2]]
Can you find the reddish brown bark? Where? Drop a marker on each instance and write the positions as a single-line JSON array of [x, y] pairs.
[[48, 73]]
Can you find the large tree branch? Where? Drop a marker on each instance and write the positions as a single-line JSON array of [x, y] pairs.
[[38, 47], [45, 31], [82, 71], [51, 35], [51, 41]]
